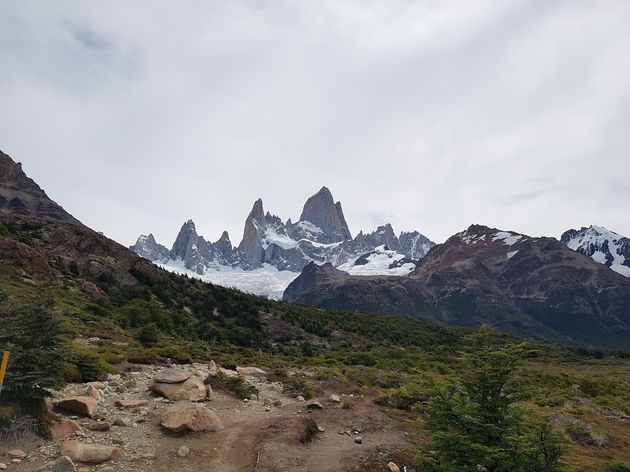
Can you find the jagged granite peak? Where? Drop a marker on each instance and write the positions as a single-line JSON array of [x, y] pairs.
[[414, 244], [321, 211], [602, 245], [186, 241], [19, 194], [147, 247], [255, 225]]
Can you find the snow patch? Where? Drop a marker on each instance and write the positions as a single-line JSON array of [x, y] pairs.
[[507, 238], [378, 263]]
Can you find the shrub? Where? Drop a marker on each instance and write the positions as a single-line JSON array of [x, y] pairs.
[[237, 385], [149, 334], [619, 466], [299, 386], [346, 403]]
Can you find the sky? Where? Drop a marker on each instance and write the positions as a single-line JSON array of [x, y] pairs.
[[431, 115]]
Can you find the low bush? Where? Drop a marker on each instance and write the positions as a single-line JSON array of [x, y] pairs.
[[237, 385], [299, 386]]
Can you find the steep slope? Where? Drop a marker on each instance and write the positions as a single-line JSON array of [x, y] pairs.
[[21, 195], [525, 285], [602, 245]]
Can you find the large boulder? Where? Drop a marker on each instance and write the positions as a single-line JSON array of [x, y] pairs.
[[186, 417], [63, 464], [90, 453], [81, 405], [251, 372], [172, 376], [64, 427], [192, 389]]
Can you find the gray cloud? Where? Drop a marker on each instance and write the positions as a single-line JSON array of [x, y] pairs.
[[139, 115]]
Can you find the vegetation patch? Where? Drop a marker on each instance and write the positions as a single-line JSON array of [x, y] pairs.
[[299, 386], [236, 385]]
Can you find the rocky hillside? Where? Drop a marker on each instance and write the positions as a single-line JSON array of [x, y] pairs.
[[271, 245], [525, 285], [602, 245]]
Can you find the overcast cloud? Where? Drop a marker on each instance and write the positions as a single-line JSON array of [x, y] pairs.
[[432, 115]]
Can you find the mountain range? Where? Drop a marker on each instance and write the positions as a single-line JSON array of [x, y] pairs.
[[272, 252], [562, 290], [529, 285]]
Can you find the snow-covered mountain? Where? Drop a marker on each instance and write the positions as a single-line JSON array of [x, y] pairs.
[[603, 245], [272, 252]]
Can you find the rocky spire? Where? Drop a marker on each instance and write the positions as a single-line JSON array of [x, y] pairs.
[[255, 225], [321, 210], [224, 244], [186, 240]]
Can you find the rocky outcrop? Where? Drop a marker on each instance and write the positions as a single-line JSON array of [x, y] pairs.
[[63, 464], [186, 417], [523, 285], [253, 234], [21, 195]]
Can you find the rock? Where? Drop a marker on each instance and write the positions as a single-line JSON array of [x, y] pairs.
[[83, 469], [183, 451], [3, 466], [251, 372], [93, 392], [64, 427], [314, 406], [96, 385], [335, 398], [113, 377], [16, 461], [131, 403], [82, 405], [228, 372], [277, 403], [208, 391], [320, 429], [393, 467], [192, 389], [253, 397], [300, 398], [63, 464], [106, 469], [212, 367], [99, 426], [358, 440], [267, 408], [185, 417], [172, 376], [124, 422], [16, 454], [90, 453]]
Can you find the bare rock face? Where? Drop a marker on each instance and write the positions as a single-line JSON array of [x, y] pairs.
[[172, 376], [147, 247], [63, 464], [81, 405], [191, 389], [253, 234], [93, 392], [324, 213], [186, 417], [90, 453], [64, 427]]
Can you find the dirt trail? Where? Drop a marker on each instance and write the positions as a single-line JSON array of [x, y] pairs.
[[256, 436]]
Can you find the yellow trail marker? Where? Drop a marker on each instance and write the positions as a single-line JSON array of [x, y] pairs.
[[3, 368]]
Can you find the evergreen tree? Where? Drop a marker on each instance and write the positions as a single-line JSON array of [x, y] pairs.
[[475, 426]]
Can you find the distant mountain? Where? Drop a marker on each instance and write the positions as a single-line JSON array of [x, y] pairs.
[[521, 284], [273, 252], [602, 245]]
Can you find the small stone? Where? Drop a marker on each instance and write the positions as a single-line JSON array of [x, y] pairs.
[[172, 376], [63, 464], [253, 397], [93, 392], [183, 417], [16, 454], [393, 467], [299, 398], [335, 398], [3, 466], [92, 453], [315, 406], [131, 403], [64, 427], [183, 451], [124, 422], [113, 377], [267, 408], [16, 461], [320, 429], [99, 426], [358, 440]]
